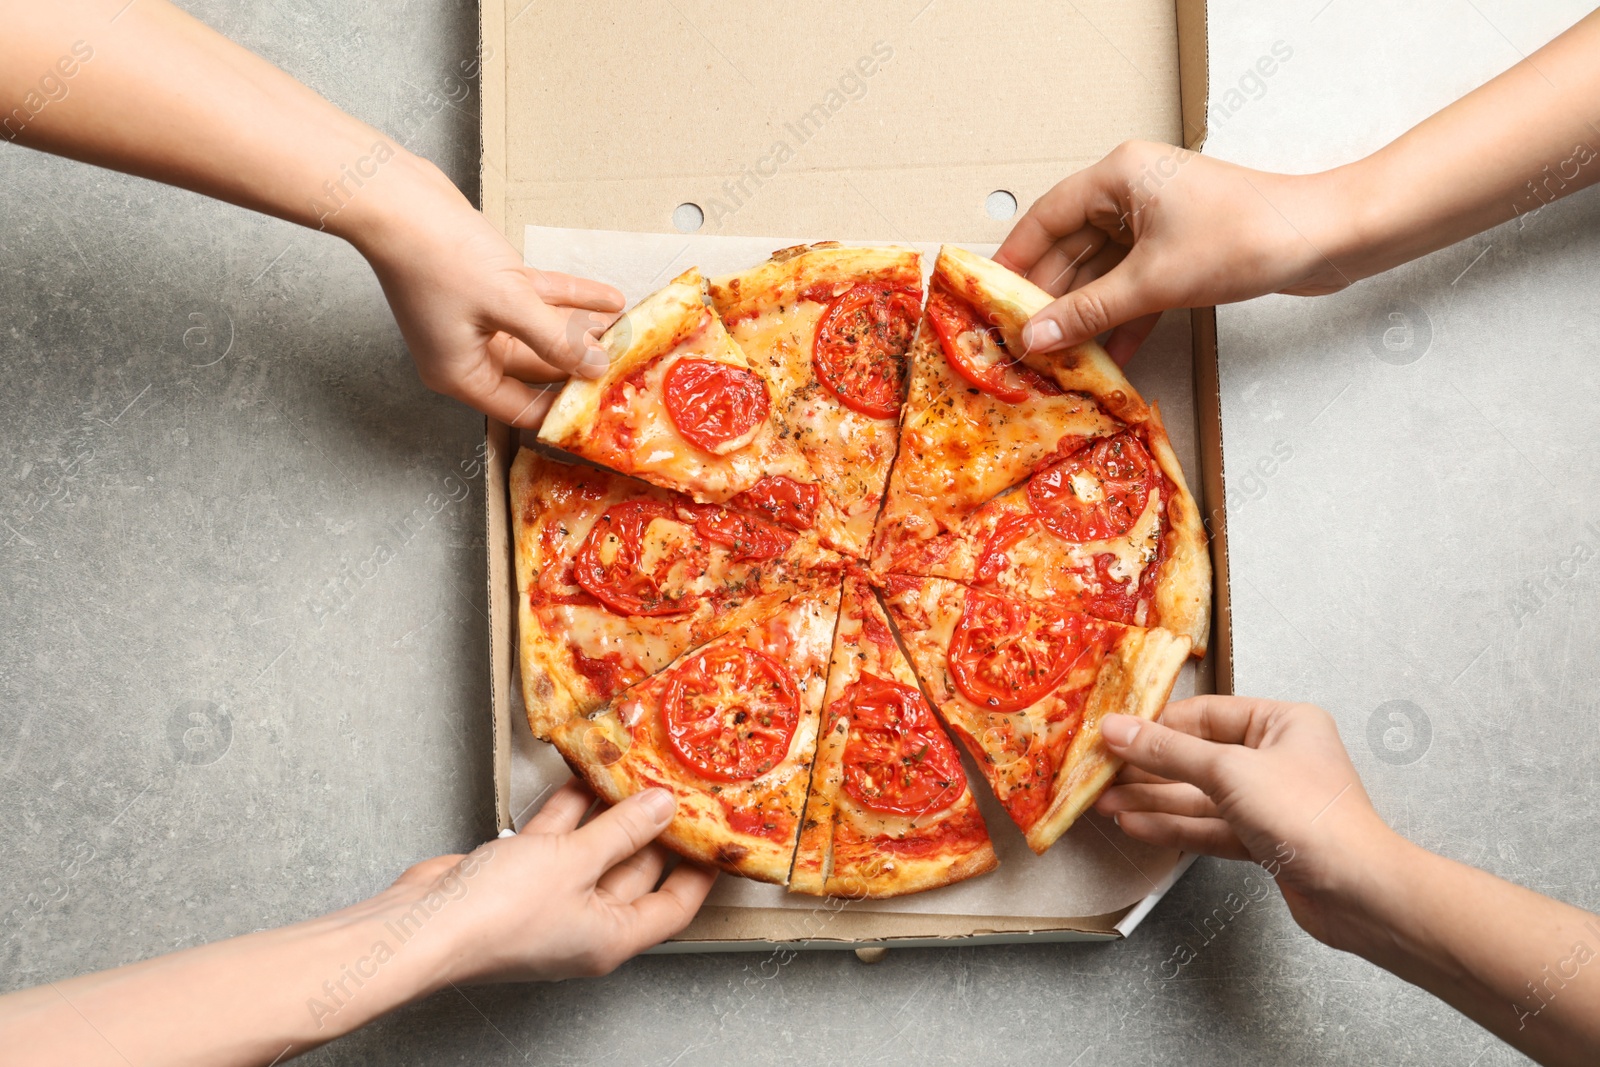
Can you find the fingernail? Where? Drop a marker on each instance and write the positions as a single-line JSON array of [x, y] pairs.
[[660, 804], [1041, 334], [1120, 730], [595, 362]]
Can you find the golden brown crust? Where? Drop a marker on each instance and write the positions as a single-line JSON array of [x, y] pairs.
[[621, 750], [846, 850], [792, 271], [1183, 584], [546, 688], [1135, 679]]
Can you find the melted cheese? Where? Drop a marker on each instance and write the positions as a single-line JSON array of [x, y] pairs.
[[849, 452], [597, 633], [961, 447]]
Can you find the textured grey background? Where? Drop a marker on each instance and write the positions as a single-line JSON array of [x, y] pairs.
[[221, 715]]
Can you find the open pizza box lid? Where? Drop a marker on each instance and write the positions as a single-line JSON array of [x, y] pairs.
[[908, 123]]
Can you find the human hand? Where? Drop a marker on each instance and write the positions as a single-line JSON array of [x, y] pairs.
[[479, 324], [559, 900], [1152, 227], [1257, 780]]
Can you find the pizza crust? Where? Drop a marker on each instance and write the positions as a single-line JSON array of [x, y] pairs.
[[791, 271], [1183, 584], [1136, 679]]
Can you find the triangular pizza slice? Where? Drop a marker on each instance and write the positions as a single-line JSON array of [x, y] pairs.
[[977, 419], [616, 578], [1109, 530], [681, 407], [890, 811], [829, 327], [730, 728], [1025, 686]]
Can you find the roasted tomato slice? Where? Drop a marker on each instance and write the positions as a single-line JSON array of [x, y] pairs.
[[609, 562], [963, 337], [715, 406], [897, 761], [730, 712], [1005, 655], [860, 348], [1097, 492], [747, 537], [783, 500]]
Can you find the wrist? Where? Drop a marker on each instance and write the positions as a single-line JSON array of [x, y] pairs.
[[1369, 878], [1367, 216], [381, 217]]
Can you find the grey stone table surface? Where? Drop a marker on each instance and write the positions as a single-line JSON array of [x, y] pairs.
[[242, 633]]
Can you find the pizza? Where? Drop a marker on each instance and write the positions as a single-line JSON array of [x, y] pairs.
[[832, 530], [730, 728], [1024, 686], [981, 421], [616, 578], [829, 328], [681, 407], [1109, 529], [890, 811]]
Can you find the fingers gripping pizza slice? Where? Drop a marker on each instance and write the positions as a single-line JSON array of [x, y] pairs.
[[1108, 529], [1025, 686], [829, 328], [680, 407], [730, 728], [616, 578], [978, 419], [890, 811]]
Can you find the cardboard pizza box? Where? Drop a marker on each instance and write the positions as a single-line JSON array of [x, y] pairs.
[[908, 122]]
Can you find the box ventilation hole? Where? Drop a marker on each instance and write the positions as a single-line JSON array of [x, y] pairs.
[[689, 218], [998, 205]]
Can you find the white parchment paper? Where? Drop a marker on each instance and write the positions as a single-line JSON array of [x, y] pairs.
[[1094, 869]]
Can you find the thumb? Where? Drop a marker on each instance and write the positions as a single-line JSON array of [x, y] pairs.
[[621, 831], [567, 339], [1163, 751], [1087, 312]]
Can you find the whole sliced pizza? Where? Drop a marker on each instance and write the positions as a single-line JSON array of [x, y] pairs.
[[818, 530]]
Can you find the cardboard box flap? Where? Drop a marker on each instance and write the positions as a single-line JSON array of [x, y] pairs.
[[897, 119]]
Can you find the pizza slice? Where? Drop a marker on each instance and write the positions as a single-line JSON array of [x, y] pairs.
[[1109, 530], [829, 328], [977, 419], [890, 811], [616, 578], [682, 408], [1025, 686], [730, 729]]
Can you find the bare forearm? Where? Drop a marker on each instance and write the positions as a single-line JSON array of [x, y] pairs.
[[1528, 137], [151, 91], [1522, 965], [249, 1000]]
